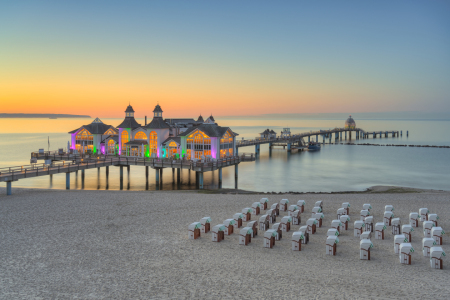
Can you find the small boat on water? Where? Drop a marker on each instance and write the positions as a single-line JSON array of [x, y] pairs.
[[312, 146]]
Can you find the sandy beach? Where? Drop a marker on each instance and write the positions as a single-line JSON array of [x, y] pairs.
[[58, 244]]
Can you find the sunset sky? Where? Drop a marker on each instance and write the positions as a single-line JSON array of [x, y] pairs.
[[224, 57]]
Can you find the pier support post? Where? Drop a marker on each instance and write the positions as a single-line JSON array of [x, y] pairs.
[[157, 178], [323, 139], [346, 135], [407, 133], [146, 177], [51, 180], [173, 174], [350, 135], [197, 180], [289, 147], [178, 176], [8, 188], [67, 181], [82, 179], [128, 177], [220, 178], [200, 177], [107, 177], [161, 177], [309, 138], [340, 135], [317, 138], [236, 175], [401, 132], [121, 177]]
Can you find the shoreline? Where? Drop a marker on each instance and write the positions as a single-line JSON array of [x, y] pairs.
[[376, 189]]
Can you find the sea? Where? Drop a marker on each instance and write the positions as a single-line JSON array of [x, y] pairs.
[[335, 168]]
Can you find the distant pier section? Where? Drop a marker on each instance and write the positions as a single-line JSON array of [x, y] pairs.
[[297, 141]]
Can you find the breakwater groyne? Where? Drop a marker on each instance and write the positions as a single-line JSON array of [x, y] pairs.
[[394, 145]]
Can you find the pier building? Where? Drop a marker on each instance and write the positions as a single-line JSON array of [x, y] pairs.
[[350, 123], [268, 134], [161, 138]]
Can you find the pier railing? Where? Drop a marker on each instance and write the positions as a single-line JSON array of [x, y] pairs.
[[298, 137], [61, 166]]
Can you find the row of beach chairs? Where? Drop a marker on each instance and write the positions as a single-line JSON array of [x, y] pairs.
[[363, 228]]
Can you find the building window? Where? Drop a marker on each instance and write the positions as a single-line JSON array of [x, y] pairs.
[[84, 140], [173, 149], [124, 139], [140, 136], [200, 143], [153, 143], [226, 142], [111, 147]]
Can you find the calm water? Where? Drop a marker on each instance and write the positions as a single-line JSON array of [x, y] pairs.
[[333, 168]]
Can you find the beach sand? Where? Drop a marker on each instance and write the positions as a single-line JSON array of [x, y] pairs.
[[133, 245]]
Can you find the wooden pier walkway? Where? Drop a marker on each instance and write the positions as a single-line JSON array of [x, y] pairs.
[[298, 139], [68, 163]]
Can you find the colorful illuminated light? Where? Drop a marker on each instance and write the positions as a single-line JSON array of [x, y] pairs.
[[124, 138], [153, 143], [140, 136]]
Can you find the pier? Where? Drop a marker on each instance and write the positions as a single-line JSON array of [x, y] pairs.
[[57, 162], [297, 140], [69, 163]]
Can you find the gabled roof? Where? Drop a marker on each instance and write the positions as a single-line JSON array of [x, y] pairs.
[[95, 127], [267, 131], [210, 120], [157, 123], [129, 122], [176, 139], [113, 137], [211, 130], [200, 119]]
